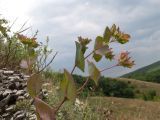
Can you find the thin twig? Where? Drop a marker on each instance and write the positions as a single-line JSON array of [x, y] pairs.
[[13, 23], [23, 30], [47, 64], [23, 25]]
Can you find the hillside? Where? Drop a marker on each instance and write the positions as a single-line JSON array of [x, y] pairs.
[[150, 73], [141, 88]]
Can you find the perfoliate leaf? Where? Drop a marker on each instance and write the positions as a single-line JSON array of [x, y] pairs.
[[113, 29], [97, 57], [109, 55], [84, 42], [34, 85], [100, 47], [44, 111], [107, 35], [94, 73], [123, 38], [79, 60], [98, 43], [68, 86]]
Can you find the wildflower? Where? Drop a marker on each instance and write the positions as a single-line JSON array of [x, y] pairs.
[[124, 60]]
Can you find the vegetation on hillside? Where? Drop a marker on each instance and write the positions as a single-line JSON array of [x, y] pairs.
[[150, 73]]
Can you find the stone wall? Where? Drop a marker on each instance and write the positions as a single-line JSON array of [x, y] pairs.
[[13, 96]]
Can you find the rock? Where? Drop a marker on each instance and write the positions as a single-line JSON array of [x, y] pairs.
[[13, 88], [9, 72], [20, 98], [33, 117], [6, 92], [20, 117], [5, 115], [10, 108], [20, 92], [12, 99], [14, 91], [17, 84], [17, 113], [26, 95], [4, 68], [1, 71]]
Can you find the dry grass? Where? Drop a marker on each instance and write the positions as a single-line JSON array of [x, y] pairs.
[[127, 109]]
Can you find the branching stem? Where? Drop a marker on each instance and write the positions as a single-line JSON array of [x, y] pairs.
[[46, 65], [82, 87], [64, 99]]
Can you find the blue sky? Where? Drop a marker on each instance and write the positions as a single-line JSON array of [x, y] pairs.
[[64, 20]]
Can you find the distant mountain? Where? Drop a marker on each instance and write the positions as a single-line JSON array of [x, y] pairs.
[[150, 73]]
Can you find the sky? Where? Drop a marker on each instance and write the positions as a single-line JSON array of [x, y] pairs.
[[64, 20]]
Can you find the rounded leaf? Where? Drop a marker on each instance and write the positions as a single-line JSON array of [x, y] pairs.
[[94, 73], [34, 85], [68, 86], [45, 112], [79, 60]]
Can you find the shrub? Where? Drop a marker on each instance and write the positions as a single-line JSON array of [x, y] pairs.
[[116, 88], [149, 95]]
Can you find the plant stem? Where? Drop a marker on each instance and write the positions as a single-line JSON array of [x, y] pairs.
[[109, 68], [82, 87], [64, 99], [89, 54], [73, 68]]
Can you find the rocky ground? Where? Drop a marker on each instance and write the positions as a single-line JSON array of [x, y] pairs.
[[15, 102]]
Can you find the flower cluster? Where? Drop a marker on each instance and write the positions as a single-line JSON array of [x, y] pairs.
[[28, 41], [109, 55], [84, 42], [124, 60], [120, 37]]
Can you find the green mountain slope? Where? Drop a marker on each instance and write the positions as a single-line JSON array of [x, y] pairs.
[[150, 73]]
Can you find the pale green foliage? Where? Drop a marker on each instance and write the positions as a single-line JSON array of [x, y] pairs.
[[79, 61], [94, 73], [34, 85]]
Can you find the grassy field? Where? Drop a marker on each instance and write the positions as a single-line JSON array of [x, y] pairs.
[[125, 109], [110, 108]]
